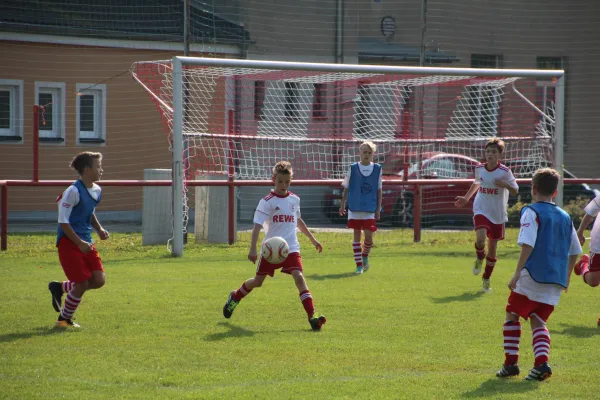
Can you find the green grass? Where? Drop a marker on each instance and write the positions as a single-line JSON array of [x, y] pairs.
[[415, 326]]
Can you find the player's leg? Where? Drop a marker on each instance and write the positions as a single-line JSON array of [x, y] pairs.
[[512, 338], [541, 347], [75, 267], [490, 263], [237, 295], [356, 247], [316, 321], [366, 250], [57, 289], [480, 235], [72, 301], [589, 268]]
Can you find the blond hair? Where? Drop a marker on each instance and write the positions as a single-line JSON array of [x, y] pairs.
[[369, 144], [499, 143], [283, 167]]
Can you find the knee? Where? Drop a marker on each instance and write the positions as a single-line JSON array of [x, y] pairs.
[[258, 282]]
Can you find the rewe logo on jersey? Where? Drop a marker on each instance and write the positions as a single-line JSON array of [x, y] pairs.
[[284, 218]]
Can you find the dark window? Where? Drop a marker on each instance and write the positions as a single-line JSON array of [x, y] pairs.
[[86, 113], [485, 61], [259, 99], [45, 114], [292, 100], [5, 109], [319, 110]]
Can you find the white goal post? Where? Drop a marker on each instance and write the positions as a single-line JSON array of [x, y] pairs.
[[282, 109]]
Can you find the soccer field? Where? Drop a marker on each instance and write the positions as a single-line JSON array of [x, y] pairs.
[[415, 326]]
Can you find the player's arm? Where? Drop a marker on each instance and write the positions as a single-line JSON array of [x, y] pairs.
[[102, 233], [574, 251], [379, 198], [509, 184], [345, 184], [462, 200], [591, 211], [304, 229], [252, 254], [526, 251]]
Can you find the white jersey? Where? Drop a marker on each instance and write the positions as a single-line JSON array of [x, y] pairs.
[[547, 293], [592, 209], [279, 217], [491, 200], [70, 198], [366, 170]]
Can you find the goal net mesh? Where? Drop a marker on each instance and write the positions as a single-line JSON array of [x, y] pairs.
[[239, 121]]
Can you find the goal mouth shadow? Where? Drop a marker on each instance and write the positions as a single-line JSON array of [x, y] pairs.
[[578, 331], [495, 386], [317, 277], [39, 331], [239, 332], [466, 296]]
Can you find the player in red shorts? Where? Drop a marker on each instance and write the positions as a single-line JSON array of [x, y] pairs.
[[279, 212], [362, 189], [549, 249], [77, 254], [589, 265], [493, 183]]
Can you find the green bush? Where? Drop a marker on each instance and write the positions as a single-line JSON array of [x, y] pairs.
[[574, 208]]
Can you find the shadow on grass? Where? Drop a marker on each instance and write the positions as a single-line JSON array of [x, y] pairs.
[[318, 277], [495, 387], [234, 331], [581, 332], [467, 296], [40, 331]]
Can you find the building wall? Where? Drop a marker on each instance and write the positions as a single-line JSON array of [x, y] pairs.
[[135, 134]]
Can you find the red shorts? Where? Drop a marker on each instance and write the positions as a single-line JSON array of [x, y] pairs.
[[594, 262], [494, 231], [362, 224], [78, 266], [523, 307], [291, 263]]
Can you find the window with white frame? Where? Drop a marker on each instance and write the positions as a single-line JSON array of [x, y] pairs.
[[91, 113], [51, 117], [11, 110]]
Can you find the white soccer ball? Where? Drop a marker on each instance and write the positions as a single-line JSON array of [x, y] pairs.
[[275, 250]]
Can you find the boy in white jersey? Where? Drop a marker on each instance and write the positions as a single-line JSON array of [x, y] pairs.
[[589, 265], [362, 188], [549, 249], [77, 254], [493, 182], [279, 212]]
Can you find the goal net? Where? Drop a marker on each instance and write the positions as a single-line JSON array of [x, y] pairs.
[[237, 118]]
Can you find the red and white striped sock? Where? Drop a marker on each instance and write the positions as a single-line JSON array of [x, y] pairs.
[[366, 248], [357, 253], [66, 286], [541, 345], [512, 337], [490, 263], [480, 252], [242, 292], [307, 302], [71, 304]]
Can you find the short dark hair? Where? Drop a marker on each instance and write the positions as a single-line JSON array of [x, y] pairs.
[[283, 167], [83, 160], [546, 181], [499, 143]]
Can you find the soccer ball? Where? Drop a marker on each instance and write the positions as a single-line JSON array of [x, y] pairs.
[[275, 250]]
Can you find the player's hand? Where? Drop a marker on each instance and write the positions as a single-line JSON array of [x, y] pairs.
[[103, 234], [377, 215], [512, 285], [501, 184], [342, 210], [318, 246], [85, 247], [580, 237], [252, 256], [460, 201]]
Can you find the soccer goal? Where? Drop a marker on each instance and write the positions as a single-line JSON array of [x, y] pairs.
[[237, 118]]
